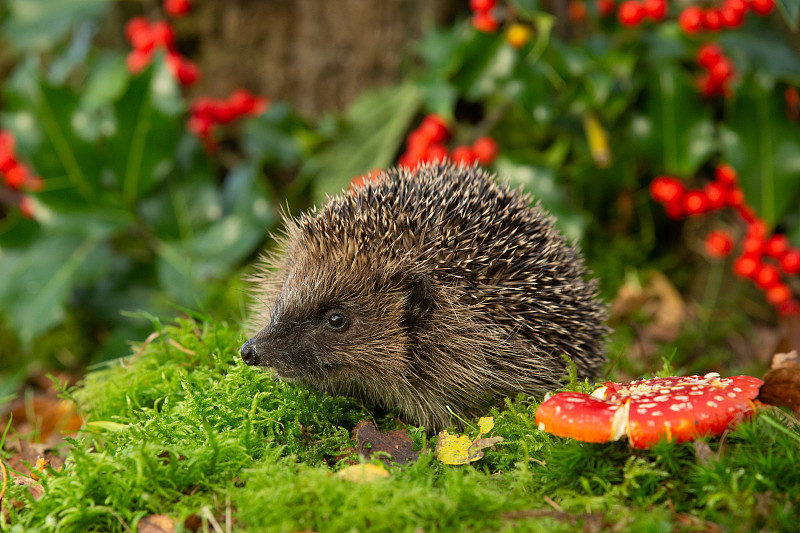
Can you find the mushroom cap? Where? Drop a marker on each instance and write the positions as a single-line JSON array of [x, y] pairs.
[[582, 417], [678, 408]]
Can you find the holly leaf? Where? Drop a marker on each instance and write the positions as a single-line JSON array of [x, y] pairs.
[[762, 144]]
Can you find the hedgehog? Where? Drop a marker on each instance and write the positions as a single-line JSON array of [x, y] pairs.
[[435, 291]]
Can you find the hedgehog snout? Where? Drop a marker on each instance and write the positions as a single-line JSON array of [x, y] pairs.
[[249, 352]]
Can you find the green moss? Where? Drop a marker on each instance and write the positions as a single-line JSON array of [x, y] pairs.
[[183, 428]]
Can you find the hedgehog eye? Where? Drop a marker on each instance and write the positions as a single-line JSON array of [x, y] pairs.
[[336, 320]]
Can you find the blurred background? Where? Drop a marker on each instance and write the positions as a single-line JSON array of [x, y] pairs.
[[147, 148]]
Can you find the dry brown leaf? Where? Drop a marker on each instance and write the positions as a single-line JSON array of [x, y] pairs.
[[660, 302], [396, 444], [782, 382]]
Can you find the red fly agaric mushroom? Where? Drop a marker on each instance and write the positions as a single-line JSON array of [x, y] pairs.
[[679, 409]]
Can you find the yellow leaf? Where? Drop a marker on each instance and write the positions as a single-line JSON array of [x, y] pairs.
[[597, 138], [362, 473], [485, 424], [453, 449]]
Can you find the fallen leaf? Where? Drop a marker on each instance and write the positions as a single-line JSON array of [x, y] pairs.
[[396, 445], [485, 424], [460, 449], [156, 523], [453, 449], [782, 382], [658, 299], [363, 473]]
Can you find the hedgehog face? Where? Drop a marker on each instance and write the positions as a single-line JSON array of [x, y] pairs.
[[341, 338]]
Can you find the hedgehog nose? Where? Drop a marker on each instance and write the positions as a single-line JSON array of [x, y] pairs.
[[248, 352]]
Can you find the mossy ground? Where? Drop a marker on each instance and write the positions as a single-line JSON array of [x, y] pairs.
[[183, 428]]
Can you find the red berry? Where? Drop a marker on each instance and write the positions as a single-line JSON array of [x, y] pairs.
[[184, 70], [666, 189], [485, 22], [137, 61], [746, 265], [779, 294], [142, 40], [709, 87], [757, 228], [715, 195], [719, 243], [485, 150], [655, 9], [163, 35], [767, 276], [464, 154], [224, 112], [731, 17], [482, 6], [753, 245], [708, 55], [242, 101], [691, 20], [722, 70], [762, 7], [735, 6], [435, 152], [712, 19], [177, 8], [735, 197], [674, 208], [726, 175], [15, 177], [202, 126], [136, 25], [604, 7], [790, 262], [630, 13], [434, 128], [695, 203], [776, 246]]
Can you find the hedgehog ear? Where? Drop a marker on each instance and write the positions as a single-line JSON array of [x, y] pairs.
[[419, 298]]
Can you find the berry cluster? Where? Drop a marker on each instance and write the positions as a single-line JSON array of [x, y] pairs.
[[483, 17], [730, 14], [208, 113], [426, 144], [634, 12], [763, 256], [719, 71], [148, 37], [16, 175]]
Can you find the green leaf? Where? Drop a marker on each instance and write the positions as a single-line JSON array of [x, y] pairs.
[[108, 78], [681, 132], [142, 149], [68, 153], [375, 126], [763, 145], [186, 269], [45, 275], [790, 9], [41, 24]]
